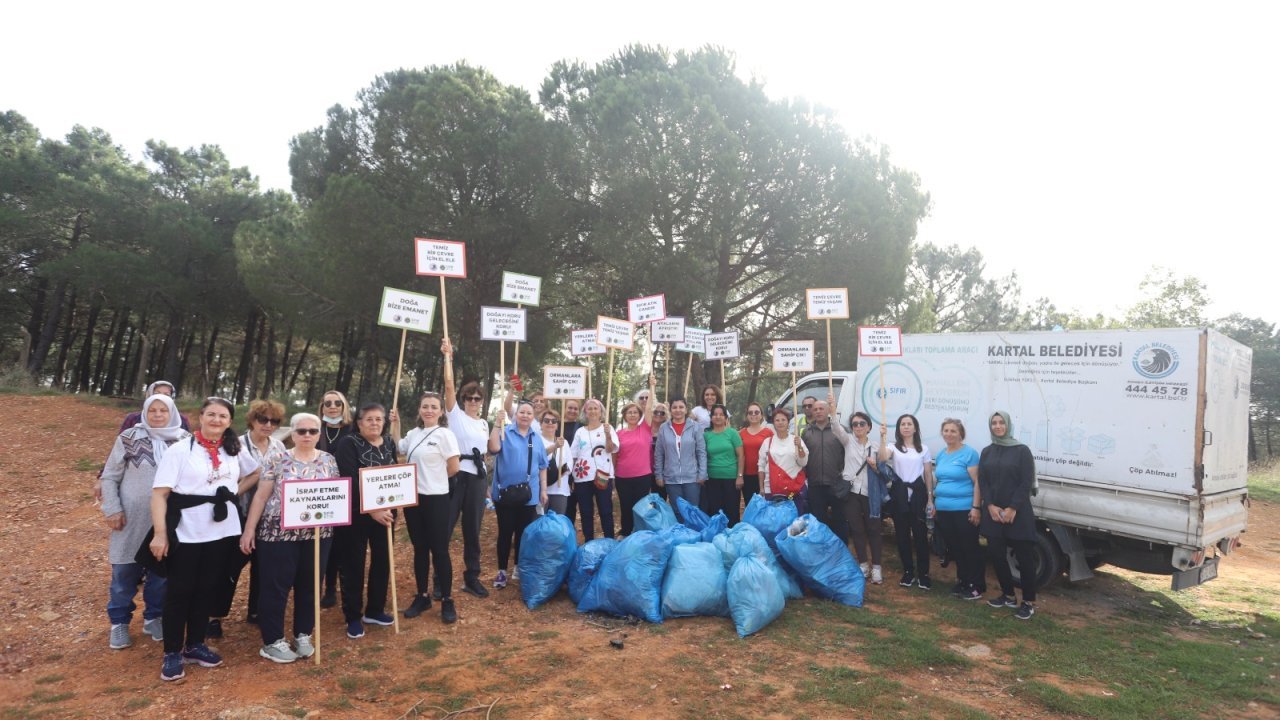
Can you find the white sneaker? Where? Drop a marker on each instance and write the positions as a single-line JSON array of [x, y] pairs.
[[278, 651], [155, 628], [866, 569], [120, 636], [877, 577], [303, 647]]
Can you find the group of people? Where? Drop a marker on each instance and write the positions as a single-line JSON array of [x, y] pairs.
[[189, 509]]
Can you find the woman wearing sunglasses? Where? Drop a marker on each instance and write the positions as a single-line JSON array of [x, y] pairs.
[[660, 414], [335, 416], [635, 456], [753, 436], [264, 419], [285, 556], [867, 493], [468, 490], [557, 462]]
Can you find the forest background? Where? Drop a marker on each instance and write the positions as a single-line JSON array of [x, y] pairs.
[[652, 171]]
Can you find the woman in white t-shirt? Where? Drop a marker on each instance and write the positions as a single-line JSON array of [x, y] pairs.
[[557, 462], [465, 409], [433, 448], [593, 447], [911, 499], [197, 523]]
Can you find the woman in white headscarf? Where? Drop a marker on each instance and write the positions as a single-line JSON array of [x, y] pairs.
[[126, 505]]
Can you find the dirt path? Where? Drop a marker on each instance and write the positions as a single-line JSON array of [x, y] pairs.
[[552, 663]]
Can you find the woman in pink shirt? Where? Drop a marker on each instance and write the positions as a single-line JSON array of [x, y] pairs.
[[634, 460]]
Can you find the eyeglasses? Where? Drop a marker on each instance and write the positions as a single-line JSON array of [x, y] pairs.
[[269, 421], [307, 431], [473, 398], [333, 403], [753, 412], [859, 423], [549, 421], [659, 412]]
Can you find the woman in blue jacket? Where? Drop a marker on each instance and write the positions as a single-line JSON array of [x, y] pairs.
[[680, 456]]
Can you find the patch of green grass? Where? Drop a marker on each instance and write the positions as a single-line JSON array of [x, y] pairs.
[[50, 679], [338, 703], [85, 465], [887, 641], [428, 646], [335, 653], [44, 696], [138, 703], [296, 711], [369, 665], [851, 689], [544, 635], [438, 688], [292, 693], [1264, 481], [768, 689], [458, 702], [376, 648], [111, 690], [657, 629], [352, 684]]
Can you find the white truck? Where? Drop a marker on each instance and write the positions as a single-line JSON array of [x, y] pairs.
[[1140, 436]]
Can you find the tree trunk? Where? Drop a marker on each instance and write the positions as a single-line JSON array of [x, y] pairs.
[[68, 338], [206, 363], [293, 379], [48, 329], [104, 347], [172, 345], [251, 391], [246, 354], [82, 381], [140, 379], [284, 359], [269, 376], [187, 346], [37, 309]]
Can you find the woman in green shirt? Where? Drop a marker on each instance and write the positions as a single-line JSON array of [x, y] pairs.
[[723, 490]]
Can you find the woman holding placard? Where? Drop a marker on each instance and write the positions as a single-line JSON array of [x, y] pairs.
[[635, 457], [285, 556], [205, 469], [468, 489], [368, 447], [753, 436], [680, 460], [433, 448], [724, 467], [127, 479], [335, 416], [912, 499], [866, 492], [519, 481], [593, 447], [557, 462]]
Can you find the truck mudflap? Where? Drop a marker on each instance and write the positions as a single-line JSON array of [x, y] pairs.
[[1191, 577]]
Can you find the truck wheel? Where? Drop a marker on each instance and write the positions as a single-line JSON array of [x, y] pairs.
[[1049, 562]]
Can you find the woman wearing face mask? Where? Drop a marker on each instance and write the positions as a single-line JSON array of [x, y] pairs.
[[912, 498], [365, 448], [635, 458], [1006, 476], [520, 466], [285, 556], [127, 479], [782, 460], [335, 416], [433, 448], [680, 459], [193, 538], [593, 447]]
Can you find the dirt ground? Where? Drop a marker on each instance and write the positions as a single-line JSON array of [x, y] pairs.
[[551, 663]]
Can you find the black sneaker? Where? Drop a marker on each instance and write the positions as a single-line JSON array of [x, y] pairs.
[[924, 582], [448, 615], [1003, 601], [971, 594], [437, 594], [475, 588], [215, 630], [1025, 611], [908, 579], [958, 589], [251, 618], [171, 668], [420, 604], [329, 599]]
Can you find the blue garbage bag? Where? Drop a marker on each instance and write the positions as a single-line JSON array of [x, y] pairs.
[[653, 513], [787, 581], [681, 535], [770, 517], [742, 540], [547, 547], [629, 581], [716, 525], [691, 515], [696, 582], [755, 600], [586, 560], [822, 561]]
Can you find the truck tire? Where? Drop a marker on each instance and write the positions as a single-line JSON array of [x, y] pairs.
[[1049, 561]]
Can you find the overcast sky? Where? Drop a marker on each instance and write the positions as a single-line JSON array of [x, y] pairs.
[[1078, 144]]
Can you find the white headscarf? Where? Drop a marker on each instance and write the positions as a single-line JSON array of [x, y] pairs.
[[162, 436]]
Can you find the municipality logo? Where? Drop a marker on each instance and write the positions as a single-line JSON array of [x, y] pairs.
[[1155, 360]]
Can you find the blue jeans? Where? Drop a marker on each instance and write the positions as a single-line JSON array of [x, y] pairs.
[[691, 492], [124, 587]]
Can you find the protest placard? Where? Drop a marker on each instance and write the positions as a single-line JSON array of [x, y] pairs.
[[445, 258], [502, 323], [879, 341], [722, 346], [793, 355], [647, 309], [521, 289], [564, 382], [583, 342], [388, 486], [315, 503], [827, 303], [406, 310], [614, 333], [668, 330]]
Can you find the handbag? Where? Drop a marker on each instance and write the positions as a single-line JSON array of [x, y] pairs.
[[521, 493]]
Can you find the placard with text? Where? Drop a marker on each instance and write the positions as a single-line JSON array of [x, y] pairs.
[[694, 340], [446, 258], [827, 303], [521, 289], [722, 346], [388, 486], [564, 382], [315, 503], [668, 330], [793, 355], [615, 333], [879, 341], [651, 308], [502, 323], [407, 310], [583, 342]]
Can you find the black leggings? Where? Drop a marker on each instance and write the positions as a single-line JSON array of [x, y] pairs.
[[998, 548], [720, 494], [196, 572], [350, 542], [631, 491], [912, 532], [511, 522], [429, 531], [750, 487], [962, 546]]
